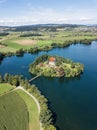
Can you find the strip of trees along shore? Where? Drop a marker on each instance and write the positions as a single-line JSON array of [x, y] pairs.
[[46, 116], [36, 48]]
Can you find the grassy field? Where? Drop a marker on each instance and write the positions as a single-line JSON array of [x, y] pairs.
[[14, 42], [13, 112], [21, 109], [32, 109], [5, 88]]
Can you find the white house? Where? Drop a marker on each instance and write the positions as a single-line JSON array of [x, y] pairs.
[[52, 61]]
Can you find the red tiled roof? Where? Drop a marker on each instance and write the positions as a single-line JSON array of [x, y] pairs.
[[52, 59]]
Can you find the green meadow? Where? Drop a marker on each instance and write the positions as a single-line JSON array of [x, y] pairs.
[[14, 41], [18, 111], [13, 112], [4, 88], [32, 109]]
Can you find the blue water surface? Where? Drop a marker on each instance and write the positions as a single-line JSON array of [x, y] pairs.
[[74, 101]]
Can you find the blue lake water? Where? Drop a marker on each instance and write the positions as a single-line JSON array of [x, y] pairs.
[[74, 100]]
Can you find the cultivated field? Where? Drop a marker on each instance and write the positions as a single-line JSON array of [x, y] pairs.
[[26, 42], [18, 111], [15, 41], [34, 123], [2, 46], [13, 112], [4, 88]]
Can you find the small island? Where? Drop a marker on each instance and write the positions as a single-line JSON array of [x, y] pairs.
[[55, 66]]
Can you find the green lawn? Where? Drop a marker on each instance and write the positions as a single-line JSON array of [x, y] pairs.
[[13, 112], [21, 109], [5, 88], [12, 44], [34, 123]]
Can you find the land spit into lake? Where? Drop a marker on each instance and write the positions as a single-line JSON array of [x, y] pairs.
[[55, 66], [31, 104]]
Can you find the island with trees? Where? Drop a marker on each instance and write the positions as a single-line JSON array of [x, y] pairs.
[[55, 66]]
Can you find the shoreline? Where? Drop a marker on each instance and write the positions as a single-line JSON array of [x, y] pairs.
[[33, 49]]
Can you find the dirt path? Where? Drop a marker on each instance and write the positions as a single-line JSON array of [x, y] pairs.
[[30, 96], [38, 105], [21, 88]]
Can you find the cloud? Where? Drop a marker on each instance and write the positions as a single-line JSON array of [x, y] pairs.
[[49, 15], [86, 19]]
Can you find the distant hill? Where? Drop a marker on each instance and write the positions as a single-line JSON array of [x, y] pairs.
[[36, 27], [6, 28], [39, 26]]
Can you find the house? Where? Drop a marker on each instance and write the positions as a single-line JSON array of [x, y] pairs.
[[52, 61]]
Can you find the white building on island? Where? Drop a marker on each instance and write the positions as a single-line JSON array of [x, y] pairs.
[[52, 61]]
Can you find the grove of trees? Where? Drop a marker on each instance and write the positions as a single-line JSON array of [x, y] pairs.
[[63, 67]]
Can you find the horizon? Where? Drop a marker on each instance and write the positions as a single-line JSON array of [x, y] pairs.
[[28, 12], [47, 24]]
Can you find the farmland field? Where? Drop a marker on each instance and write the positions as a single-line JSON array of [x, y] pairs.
[[13, 112], [21, 109], [26, 42], [30, 39], [32, 109], [5, 88]]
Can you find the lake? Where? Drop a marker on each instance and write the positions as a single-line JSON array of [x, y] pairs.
[[74, 101]]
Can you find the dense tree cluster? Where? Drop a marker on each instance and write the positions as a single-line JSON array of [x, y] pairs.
[[20, 52], [3, 44], [30, 34], [35, 49], [12, 79], [1, 57], [68, 43], [4, 34]]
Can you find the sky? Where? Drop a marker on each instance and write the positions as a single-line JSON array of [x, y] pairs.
[[29, 12]]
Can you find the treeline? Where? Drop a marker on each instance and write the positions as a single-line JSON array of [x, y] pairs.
[[4, 34], [36, 49], [68, 43], [3, 44], [30, 34], [37, 27], [46, 116], [18, 53], [59, 60]]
